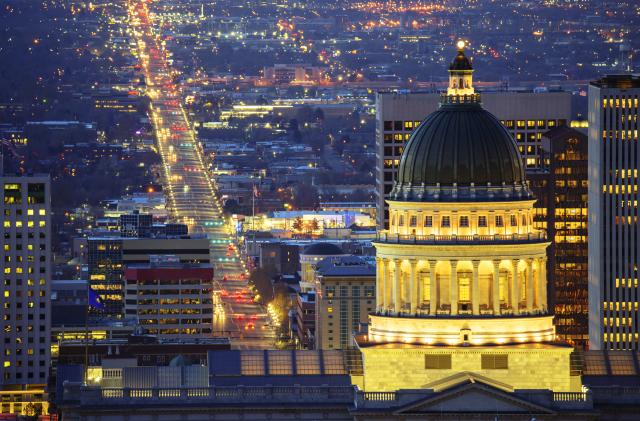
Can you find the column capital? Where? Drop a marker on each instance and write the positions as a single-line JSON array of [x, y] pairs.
[[453, 263], [413, 262], [475, 263], [496, 262]]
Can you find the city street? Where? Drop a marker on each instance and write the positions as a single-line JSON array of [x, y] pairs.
[[191, 192]]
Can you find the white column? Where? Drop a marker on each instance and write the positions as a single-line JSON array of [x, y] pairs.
[[433, 290], [543, 284], [475, 295], [453, 287], [414, 286], [379, 284], [538, 280], [495, 290], [515, 288], [386, 294], [529, 285], [397, 305]]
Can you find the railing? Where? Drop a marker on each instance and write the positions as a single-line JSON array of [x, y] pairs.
[[379, 396], [217, 394], [570, 396], [446, 313], [534, 237]]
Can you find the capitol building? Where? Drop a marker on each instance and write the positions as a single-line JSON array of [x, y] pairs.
[[461, 271]]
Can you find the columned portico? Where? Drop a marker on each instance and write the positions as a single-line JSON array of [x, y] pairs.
[[401, 290]]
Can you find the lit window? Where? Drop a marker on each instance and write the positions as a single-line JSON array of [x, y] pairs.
[[30, 224], [7, 224], [18, 224], [413, 221], [30, 212], [499, 221], [41, 224], [514, 220], [482, 221], [428, 221], [401, 221], [42, 212], [464, 221], [446, 222]]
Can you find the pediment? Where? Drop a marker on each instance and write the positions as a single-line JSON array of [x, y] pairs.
[[473, 398]]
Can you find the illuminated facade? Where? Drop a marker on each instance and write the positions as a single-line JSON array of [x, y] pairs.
[[107, 257], [170, 299], [462, 282], [26, 260], [561, 210], [614, 254]]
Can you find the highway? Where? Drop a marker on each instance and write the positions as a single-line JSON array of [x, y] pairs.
[[191, 191]]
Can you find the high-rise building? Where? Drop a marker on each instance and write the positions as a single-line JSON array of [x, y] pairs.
[[461, 282], [345, 295], [26, 262], [108, 255], [170, 299], [526, 115], [614, 250], [561, 210]]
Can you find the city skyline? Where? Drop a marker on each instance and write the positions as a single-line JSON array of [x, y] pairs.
[[303, 209]]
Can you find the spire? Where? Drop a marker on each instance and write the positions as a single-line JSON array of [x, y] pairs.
[[460, 74]]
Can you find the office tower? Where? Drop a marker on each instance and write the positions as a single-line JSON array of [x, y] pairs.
[[108, 255], [26, 259], [561, 210], [461, 282], [170, 299], [614, 252], [345, 295], [527, 115]]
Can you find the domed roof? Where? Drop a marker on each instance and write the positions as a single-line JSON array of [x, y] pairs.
[[460, 61], [322, 249], [460, 152]]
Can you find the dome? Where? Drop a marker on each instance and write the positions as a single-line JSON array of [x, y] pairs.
[[322, 249], [460, 151], [460, 62]]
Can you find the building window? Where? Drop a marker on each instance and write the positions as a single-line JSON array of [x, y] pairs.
[[12, 194], [413, 221], [495, 361], [499, 221], [446, 222], [401, 221], [428, 221], [464, 221], [437, 362], [482, 221], [369, 290], [514, 221], [388, 125]]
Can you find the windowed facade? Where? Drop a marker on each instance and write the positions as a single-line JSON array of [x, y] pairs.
[[26, 257]]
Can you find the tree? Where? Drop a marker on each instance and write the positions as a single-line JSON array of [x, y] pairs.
[[314, 225], [298, 224]]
